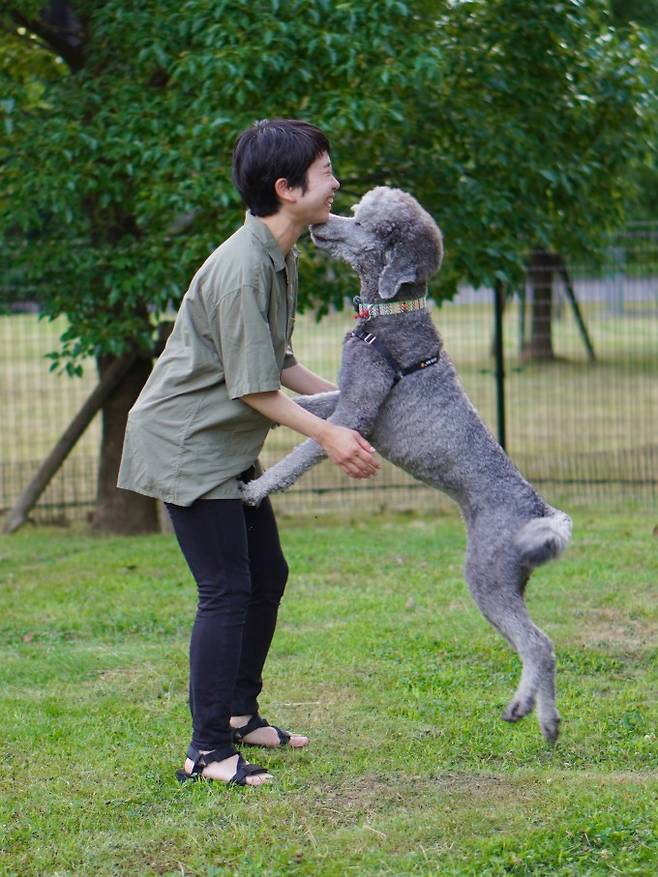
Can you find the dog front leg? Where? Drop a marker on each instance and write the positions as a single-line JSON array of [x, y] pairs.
[[364, 386], [284, 473], [357, 405], [321, 404]]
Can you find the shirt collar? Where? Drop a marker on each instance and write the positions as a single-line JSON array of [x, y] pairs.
[[265, 237]]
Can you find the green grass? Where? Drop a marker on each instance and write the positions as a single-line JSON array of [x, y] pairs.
[[382, 658]]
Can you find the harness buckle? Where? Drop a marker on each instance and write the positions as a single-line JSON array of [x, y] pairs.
[[369, 338]]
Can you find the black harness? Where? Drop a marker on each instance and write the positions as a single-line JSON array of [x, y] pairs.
[[380, 347]]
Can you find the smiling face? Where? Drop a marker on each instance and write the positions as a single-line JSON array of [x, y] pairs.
[[313, 205]]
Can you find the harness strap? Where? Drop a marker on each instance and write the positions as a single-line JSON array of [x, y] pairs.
[[381, 348], [424, 363]]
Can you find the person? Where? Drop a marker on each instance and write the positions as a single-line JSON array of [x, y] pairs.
[[197, 428]]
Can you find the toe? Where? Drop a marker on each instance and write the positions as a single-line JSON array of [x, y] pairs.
[[518, 708], [260, 779], [511, 714], [551, 729]]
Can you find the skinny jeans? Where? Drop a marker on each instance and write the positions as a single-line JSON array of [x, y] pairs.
[[235, 556]]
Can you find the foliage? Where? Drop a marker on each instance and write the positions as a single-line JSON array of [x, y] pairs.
[[381, 656], [512, 122], [642, 12], [643, 174]]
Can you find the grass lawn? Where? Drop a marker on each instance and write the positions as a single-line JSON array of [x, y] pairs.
[[382, 658]]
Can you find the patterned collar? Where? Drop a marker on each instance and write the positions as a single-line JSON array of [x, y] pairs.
[[366, 310]]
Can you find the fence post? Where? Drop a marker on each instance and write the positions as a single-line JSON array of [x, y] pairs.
[[616, 276], [499, 304]]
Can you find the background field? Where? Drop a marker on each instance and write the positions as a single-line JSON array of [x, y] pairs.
[[384, 660], [583, 430]]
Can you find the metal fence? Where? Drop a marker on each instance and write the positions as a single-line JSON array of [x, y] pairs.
[[582, 428]]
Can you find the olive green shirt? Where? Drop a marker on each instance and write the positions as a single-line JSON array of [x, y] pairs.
[[188, 434]]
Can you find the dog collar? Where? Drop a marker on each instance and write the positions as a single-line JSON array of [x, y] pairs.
[[363, 310]]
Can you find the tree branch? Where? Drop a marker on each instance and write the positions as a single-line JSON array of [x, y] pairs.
[[59, 30]]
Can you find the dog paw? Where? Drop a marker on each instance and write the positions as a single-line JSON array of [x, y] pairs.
[[550, 728], [518, 708], [251, 494]]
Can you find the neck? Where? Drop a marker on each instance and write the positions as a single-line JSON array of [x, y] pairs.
[[285, 230]]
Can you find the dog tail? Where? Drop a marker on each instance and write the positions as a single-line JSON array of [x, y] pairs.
[[542, 539]]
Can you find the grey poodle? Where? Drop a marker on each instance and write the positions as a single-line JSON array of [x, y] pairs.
[[399, 388]]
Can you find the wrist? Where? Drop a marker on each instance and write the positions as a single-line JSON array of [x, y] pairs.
[[322, 431]]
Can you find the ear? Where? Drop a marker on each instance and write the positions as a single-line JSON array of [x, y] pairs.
[[284, 191], [399, 269]]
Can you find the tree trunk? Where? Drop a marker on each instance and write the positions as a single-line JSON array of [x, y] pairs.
[[540, 345], [121, 511]]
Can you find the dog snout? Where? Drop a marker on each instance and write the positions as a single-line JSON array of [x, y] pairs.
[[323, 234], [316, 234]]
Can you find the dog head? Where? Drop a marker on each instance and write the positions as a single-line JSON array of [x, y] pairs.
[[390, 240]]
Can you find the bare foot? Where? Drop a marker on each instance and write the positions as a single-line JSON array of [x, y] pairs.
[[268, 736], [224, 770]]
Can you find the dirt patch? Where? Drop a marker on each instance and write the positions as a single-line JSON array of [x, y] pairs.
[[370, 795], [619, 777], [606, 627], [352, 800]]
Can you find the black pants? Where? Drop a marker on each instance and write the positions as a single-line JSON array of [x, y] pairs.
[[235, 556]]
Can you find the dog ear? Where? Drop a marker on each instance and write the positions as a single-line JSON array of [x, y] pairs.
[[399, 269]]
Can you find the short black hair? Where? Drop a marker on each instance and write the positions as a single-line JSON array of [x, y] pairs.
[[270, 149]]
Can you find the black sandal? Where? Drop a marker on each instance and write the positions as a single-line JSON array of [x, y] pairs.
[[201, 761], [259, 722]]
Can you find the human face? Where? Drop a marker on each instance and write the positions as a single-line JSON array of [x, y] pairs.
[[314, 205]]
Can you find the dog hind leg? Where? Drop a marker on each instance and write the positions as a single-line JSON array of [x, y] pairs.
[[500, 599]]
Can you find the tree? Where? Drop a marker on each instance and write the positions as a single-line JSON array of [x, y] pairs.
[[643, 175], [564, 97], [512, 122]]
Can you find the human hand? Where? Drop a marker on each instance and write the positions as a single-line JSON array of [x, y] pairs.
[[349, 450]]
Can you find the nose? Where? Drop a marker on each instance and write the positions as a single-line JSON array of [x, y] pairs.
[[336, 184]]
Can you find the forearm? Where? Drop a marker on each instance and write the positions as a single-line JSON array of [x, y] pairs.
[[277, 407], [343, 446], [301, 380]]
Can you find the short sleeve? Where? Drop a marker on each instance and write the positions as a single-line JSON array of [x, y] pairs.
[[290, 359], [241, 331]]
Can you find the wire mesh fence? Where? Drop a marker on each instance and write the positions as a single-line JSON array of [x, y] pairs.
[[581, 391]]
